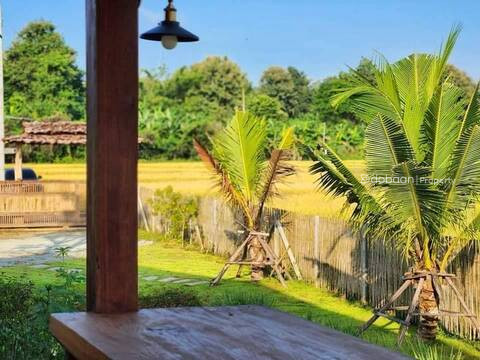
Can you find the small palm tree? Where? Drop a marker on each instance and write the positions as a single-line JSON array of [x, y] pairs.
[[245, 176], [422, 179]]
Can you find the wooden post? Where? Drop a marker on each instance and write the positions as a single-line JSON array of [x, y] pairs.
[[363, 267], [18, 162], [112, 123], [141, 209], [284, 239], [316, 251]]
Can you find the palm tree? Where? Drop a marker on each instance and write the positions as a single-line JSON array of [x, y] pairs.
[[244, 175], [422, 180]]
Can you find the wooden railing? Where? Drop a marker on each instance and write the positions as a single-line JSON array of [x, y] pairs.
[[25, 204]]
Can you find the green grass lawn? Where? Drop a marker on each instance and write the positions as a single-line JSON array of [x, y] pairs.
[[318, 305]]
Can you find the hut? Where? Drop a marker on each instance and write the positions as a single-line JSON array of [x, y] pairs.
[[51, 132]]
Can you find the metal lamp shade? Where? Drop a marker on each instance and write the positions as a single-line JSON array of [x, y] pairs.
[[169, 28]]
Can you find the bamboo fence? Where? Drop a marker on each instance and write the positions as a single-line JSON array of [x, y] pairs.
[[29, 204]]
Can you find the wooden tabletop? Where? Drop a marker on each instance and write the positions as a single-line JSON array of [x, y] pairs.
[[231, 332]]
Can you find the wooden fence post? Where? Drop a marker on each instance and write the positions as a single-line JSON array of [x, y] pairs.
[[142, 210], [316, 250], [363, 267], [289, 250], [215, 223]]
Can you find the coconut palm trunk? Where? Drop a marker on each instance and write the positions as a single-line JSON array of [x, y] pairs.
[[428, 307], [257, 254]]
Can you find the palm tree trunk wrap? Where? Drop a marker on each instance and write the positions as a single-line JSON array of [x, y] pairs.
[[429, 308], [257, 255]]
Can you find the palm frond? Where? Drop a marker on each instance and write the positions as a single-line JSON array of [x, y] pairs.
[[441, 128], [277, 170], [443, 56], [386, 146], [287, 140], [240, 150], [335, 178], [231, 195], [414, 201], [464, 174]]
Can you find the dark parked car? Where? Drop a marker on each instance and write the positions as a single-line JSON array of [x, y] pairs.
[[27, 174]]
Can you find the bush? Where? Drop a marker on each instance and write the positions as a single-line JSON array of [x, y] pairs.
[[175, 211], [24, 330], [174, 297]]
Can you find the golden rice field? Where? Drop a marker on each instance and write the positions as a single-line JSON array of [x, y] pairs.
[[299, 194]]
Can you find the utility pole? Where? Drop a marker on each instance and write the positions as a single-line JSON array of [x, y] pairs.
[[2, 118]]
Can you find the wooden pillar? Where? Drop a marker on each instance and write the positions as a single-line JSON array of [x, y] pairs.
[[18, 163], [112, 123]]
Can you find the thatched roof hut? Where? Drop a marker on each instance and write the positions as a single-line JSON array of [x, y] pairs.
[[50, 133]]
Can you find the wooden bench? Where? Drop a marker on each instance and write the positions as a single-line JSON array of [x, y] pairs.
[[231, 332]]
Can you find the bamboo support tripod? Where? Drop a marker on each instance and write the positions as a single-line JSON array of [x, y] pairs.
[[417, 279], [240, 257]]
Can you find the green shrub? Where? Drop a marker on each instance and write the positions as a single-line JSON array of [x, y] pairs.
[[174, 297], [24, 330], [175, 211]]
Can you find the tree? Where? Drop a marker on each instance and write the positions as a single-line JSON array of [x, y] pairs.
[[460, 79], [41, 77], [323, 91], [423, 175], [301, 86], [213, 87], [266, 107], [289, 86], [245, 178]]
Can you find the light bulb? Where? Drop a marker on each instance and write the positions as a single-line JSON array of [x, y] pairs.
[[169, 41]]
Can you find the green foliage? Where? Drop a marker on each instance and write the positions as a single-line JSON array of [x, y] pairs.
[[212, 88], [175, 210], [41, 77], [170, 298], [191, 103], [264, 106], [167, 134], [460, 79], [343, 136], [289, 86], [24, 313]]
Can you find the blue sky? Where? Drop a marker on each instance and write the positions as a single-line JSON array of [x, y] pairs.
[[319, 37]]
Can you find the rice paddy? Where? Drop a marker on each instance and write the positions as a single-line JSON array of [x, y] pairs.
[[299, 194]]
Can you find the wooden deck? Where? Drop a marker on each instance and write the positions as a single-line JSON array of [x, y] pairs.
[[232, 332]]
